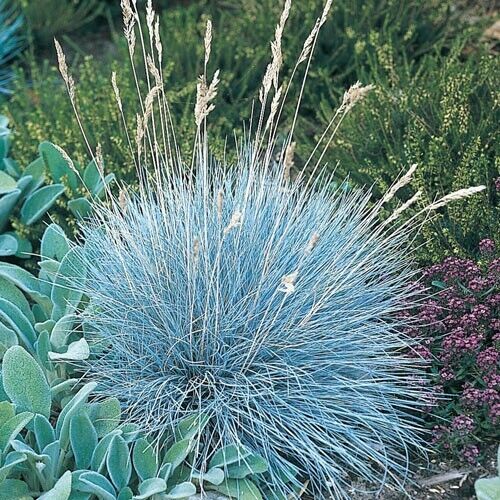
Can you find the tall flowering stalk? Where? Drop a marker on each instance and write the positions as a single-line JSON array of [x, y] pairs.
[[253, 295]]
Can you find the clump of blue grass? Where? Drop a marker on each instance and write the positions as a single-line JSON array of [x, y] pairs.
[[253, 295], [272, 309], [11, 42]]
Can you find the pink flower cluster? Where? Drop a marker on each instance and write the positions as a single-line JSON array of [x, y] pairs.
[[460, 336]]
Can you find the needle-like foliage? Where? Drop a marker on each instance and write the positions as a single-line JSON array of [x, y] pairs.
[[264, 301], [270, 308]]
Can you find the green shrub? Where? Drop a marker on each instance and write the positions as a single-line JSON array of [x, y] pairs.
[[46, 19], [400, 29], [423, 92], [442, 115]]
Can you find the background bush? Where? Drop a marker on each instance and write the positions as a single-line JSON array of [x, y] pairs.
[[46, 19], [435, 103], [443, 115], [405, 29]]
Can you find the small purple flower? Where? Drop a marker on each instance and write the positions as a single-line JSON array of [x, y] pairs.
[[471, 397], [487, 246], [446, 374], [488, 358], [494, 413], [463, 424], [497, 184], [492, 380], [490, 397], [471, 452]]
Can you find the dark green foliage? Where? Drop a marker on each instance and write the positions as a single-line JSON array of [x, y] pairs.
[[442, 115], [426, 86], [47, 19], [405, 29]]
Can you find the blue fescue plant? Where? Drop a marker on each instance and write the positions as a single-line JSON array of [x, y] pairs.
[[11, 41], [57, 441], [254, 297]]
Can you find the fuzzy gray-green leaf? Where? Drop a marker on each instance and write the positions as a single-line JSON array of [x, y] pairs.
[[118, 462], [10, 429], [83, 438], [25, 383], [37, 203], [145, 459]]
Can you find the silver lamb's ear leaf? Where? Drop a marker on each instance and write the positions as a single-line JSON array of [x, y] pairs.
[[44, 432], [8, 338], [61, 490], [129, 431], [213, 476], [178, 452], [7, 183], [9, 291], [14, 489], [38, 202], [183, 490], [487, 488], [53, 451], [26, 282], [32, 455], [105, 415], [12, 428], [145, 459], [11, 460], [92, 482], [8, 245], [55, 244], [63, 421], [100, 454], [80, 207], [61, 330], [150, 487], [42, 346], [7, 411], [229, 455], [77, 351], [83, 438], [14, 318], [243, 489], [66, 291], [118, 462], [125, 494], [191, 426], [252, 464], [7, 204], [25, 383], [57, 164]]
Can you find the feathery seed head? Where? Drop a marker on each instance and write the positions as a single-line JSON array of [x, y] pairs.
[[313, 376], [292, 345]]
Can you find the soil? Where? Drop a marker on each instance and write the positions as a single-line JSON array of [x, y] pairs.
[[443, 481]]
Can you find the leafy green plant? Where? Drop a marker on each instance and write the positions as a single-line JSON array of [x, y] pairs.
[[489, 488], [443, 116], [26, 195], [49, 18], [356, 31]]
